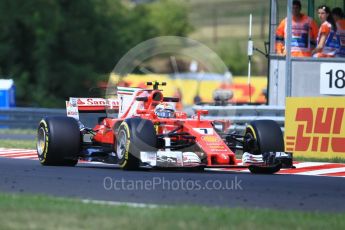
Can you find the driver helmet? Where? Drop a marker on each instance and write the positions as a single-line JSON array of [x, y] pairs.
[[165, 110]]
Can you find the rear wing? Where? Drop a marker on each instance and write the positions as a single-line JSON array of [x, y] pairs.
[[90, 105], [125, 103]]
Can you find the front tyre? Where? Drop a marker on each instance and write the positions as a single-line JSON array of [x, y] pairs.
[[58, 141], [134, 135], [263, 136]]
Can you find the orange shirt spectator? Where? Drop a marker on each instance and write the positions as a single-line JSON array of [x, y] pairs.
[[304, 33], [338, 16], [327, 42]]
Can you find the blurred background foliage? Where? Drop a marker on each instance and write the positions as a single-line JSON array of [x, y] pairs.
[[54, 49]]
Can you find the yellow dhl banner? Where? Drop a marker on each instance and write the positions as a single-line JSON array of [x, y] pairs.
[[315, 127], [188, 88]]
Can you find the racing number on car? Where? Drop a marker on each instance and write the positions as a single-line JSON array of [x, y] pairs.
[[205, 131], [332, 78]]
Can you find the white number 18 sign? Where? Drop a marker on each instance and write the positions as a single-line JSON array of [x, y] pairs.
[[332, 78]]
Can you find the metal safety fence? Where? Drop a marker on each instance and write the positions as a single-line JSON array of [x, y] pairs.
[[26, 118]]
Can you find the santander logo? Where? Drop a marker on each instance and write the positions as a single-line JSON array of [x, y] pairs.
[[96, 102], [80, 102]]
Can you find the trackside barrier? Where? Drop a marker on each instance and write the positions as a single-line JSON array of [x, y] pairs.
[[25, 118], [242, 115], [28, 118]]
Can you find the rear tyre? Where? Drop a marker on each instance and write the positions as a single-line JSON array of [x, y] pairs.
[[263, 136], [58, 141], [134, 135]]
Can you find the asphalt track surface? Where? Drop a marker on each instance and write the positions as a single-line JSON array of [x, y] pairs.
[[109, 183]]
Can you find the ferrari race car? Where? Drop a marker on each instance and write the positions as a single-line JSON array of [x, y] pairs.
[[142, 129]]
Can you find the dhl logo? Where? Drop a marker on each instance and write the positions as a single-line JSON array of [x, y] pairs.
[[318, 130]]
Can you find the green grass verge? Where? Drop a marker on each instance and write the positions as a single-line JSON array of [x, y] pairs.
[[39, 212], [19, 144], [18, 131]]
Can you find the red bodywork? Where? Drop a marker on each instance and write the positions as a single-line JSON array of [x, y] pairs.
[[206, 138]]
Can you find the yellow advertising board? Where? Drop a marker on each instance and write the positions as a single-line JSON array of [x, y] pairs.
[[315, 127], [188, 88]]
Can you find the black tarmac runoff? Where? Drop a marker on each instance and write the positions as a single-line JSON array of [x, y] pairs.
[[222, 189]]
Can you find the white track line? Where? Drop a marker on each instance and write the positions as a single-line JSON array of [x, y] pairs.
[[118, 203], [309, 164]]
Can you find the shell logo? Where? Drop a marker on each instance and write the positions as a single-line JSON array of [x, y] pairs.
[[212, 139]]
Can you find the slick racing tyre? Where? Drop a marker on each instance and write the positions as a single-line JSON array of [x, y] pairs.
[[58, 141], [134, 135], [263, 136]]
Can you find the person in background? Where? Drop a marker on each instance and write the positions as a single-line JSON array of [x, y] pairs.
[[304, 33], [338, 16], [327, 42]]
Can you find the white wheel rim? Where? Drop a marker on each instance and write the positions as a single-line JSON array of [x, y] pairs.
[[41, 141], [121, 144]]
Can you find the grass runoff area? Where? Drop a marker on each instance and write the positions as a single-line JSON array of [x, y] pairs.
[[20, 144], [41, 212], [18, 131]]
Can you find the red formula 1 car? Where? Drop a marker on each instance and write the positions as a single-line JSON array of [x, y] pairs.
[[142, 129]]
